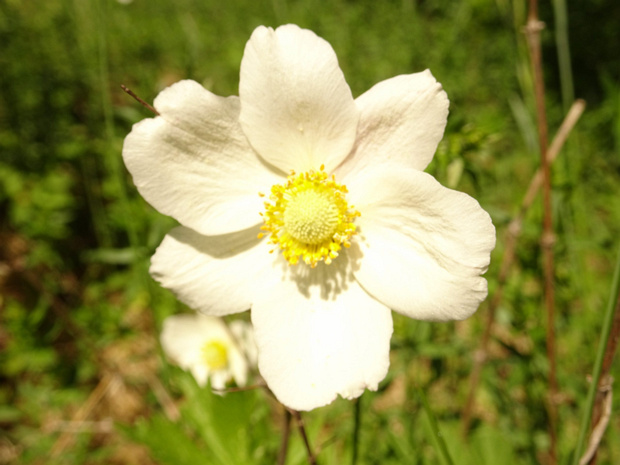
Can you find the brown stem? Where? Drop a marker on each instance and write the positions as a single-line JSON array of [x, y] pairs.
[[139, 100], [304, 436], [250, 387], [532, 32], [513, 233], [286, 433]]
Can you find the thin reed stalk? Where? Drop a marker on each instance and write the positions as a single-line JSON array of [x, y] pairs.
[[532, 33], [113, 160], [561, 41]]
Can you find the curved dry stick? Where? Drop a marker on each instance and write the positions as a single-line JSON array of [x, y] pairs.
[[589, 456], [604, 385]]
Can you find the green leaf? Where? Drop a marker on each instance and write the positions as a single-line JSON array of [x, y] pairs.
[[222, 421], [168, 442]]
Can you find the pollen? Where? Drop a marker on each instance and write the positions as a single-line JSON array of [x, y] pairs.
[[215, 354], [308, 218]]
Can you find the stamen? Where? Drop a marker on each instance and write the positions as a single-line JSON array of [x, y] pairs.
[[308, 218], [215, 355]]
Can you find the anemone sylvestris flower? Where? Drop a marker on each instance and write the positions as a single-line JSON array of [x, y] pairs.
[[209, 349], [346, 227]]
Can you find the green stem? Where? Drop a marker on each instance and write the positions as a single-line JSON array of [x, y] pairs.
[[598, 364], [443, 449], [561, 39]]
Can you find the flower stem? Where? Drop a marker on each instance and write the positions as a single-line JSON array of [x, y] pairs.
[[304, 436], [603, 357], [357, 421], [286, 433]]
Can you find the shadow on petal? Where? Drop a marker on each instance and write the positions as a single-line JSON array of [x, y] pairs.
[[220, 246], [327, 281]]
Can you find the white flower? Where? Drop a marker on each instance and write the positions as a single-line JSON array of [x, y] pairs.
[[209, 349], [376, 232]]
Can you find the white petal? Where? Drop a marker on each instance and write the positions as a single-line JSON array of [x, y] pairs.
[[237, 367], [422, 247], [296, 107], [402, 120], [244, 335], [194, 163], [182, 338], [219, 378], [319, 337], [217, 275], [200, 372]]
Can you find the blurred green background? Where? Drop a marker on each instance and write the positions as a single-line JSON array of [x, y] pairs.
[[82, 376]]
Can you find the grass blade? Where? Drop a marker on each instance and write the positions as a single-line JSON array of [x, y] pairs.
[[441, 444], [598, 364]]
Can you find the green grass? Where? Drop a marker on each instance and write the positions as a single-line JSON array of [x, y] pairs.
[[77, 305]]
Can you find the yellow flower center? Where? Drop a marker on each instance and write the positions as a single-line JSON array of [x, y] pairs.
[[309, 218], [215, 355]]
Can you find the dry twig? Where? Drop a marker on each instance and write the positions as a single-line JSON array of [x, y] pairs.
[[107, 383], [606, 392], [603, 395], [139, 100]]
